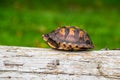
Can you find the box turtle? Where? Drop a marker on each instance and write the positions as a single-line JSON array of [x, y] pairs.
[[68, 38]]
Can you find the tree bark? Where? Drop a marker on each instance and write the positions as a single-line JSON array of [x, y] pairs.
[[23, 63]]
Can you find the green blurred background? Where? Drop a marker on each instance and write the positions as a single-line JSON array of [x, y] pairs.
[[22, 22]]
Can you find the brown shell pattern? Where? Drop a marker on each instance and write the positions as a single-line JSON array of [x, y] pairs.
[[68, 38]]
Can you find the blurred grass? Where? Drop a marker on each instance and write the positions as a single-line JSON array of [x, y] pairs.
[[23, 26]]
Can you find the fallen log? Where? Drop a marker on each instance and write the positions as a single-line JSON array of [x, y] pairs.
[[23, 63]]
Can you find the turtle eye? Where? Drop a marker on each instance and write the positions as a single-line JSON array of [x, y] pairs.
[[88, 42], [45, 35]]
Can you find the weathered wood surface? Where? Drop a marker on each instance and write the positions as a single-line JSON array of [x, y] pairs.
[[22, 63]]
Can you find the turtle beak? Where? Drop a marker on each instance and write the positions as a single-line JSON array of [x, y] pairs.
[[45, 37]]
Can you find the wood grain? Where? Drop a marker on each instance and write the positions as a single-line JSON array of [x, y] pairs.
[[23, 63]]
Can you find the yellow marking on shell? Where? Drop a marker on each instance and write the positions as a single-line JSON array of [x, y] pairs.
[[63, 47], [74, 47], [81, 34], [51, 45], [71, 31], [62, 31]]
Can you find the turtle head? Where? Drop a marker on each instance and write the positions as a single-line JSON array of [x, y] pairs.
[[45, 37], [50, 41]]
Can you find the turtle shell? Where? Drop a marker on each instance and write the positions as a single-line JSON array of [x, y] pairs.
[[68, 38]]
